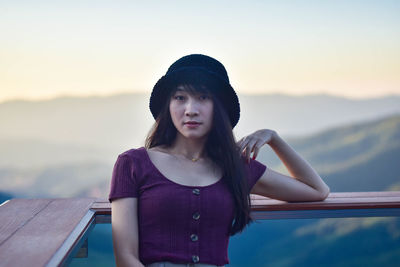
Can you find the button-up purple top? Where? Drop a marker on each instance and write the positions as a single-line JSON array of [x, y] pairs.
[[177, 223]]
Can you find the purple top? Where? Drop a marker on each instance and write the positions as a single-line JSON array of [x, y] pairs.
[[177, 223]]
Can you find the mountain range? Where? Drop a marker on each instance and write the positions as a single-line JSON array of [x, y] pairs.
[[356, 157], [69, 130]]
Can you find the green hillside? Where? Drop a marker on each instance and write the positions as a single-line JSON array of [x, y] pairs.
[[358, 157]]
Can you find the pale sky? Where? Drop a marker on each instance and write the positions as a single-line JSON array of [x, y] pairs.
[[78, 48]]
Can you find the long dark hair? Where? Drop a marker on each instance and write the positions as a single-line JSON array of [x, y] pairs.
[[220, 147]]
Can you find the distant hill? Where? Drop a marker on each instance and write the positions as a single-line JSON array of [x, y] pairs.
[[67, 180], [358, 157], [355, 157], [27, 153], [72, 129], [295, 116], [372, 241]]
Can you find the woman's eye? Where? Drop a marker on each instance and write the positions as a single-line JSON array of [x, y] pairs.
[[204, 97], [179, 97]]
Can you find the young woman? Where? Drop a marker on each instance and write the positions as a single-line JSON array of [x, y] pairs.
[[176, 201]]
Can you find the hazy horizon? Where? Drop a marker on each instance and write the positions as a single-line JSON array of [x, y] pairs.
[[144, 93]]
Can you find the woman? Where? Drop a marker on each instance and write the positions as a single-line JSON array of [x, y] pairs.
[[176, 201]]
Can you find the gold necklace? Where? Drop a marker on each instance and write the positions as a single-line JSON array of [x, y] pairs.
[[192, 159]]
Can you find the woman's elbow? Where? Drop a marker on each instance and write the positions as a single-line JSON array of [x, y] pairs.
[[324, 193]]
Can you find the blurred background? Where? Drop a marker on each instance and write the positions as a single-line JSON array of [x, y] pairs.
[[76, 77]]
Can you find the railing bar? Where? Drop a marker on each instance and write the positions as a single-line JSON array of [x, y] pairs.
[[70, 244], [5, 202], [309, 214]]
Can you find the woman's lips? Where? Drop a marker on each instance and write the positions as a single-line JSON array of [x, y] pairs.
[[192, 124]]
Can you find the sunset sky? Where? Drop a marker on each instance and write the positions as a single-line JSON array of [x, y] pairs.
[[78, 48]]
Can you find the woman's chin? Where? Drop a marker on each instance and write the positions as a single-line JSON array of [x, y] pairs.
[[194, 136]]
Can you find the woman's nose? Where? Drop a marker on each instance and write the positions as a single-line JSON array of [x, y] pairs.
[[191, 107]]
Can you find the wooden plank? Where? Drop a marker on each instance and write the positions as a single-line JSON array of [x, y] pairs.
[[336, 200], [71, 244], [101, 200], [329, 203], [350, 194], [38, 240], [16, 213], [102, 207]]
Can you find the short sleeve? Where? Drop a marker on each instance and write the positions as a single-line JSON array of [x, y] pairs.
[[123, 180], [254, 170]]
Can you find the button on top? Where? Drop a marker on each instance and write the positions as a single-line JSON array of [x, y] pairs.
[[196, 191], [194, 237], [196, 215], [195, 258]]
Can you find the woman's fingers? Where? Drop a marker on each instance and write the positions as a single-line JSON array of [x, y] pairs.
[[243, 144], [250, 148], [250, 144], [253, 147], [256, 150], [247, 146], [253, 142]]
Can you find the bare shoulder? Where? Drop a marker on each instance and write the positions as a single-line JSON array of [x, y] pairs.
[[160, 148], [161, 158]]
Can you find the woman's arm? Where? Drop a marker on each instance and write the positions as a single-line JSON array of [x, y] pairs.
[[307, 185], [124, 224]]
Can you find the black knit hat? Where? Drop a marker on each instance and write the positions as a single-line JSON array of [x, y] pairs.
[[197, 69]]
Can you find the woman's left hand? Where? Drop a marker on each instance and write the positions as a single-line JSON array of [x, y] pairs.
[[253, 142]]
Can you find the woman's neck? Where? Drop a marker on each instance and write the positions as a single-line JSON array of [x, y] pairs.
[[189, 148]]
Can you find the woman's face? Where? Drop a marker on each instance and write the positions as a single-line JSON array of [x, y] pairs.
[[192, 114]]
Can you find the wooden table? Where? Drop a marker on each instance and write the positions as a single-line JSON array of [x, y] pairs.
[[44, 232]]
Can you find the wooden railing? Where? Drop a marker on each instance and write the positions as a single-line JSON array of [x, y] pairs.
[[46, 232]]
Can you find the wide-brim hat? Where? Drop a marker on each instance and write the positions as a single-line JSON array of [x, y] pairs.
[[197, 69]]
